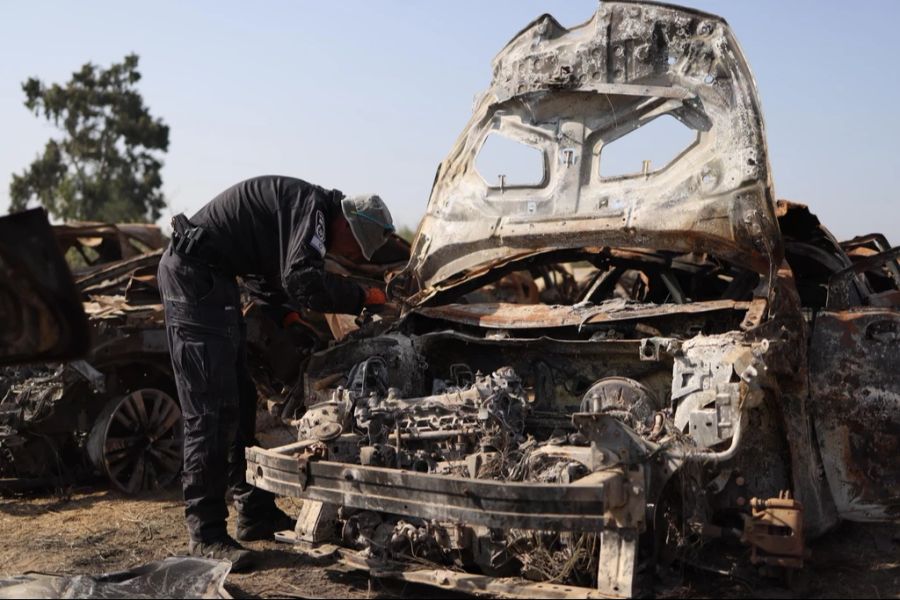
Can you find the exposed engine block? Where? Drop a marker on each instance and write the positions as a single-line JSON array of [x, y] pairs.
[[486, 414]]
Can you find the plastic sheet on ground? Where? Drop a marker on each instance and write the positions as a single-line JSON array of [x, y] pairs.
[[177, 577]]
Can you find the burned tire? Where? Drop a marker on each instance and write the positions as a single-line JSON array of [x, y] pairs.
[[137, 441]]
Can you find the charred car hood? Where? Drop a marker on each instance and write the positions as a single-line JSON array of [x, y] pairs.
[[570, 92]]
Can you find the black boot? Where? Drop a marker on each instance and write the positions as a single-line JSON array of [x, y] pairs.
[[225, 549], [252, 528]]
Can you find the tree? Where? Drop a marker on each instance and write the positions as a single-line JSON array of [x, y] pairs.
[[106, 166]]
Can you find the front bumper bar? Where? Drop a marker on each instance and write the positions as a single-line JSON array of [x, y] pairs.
[[606, 499]]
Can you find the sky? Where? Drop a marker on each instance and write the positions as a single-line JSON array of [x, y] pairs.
[[369, 96]]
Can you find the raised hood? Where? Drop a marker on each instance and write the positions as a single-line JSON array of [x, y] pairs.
[[570, 92]]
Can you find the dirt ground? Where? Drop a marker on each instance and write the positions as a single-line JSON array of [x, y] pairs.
[[96, 530]]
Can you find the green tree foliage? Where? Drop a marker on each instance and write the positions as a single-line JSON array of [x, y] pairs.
[[106, 165]]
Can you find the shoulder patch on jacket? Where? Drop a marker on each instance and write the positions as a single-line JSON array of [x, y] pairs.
[[318, 238]]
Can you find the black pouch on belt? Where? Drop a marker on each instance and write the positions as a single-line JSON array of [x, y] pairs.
[[186, 239]]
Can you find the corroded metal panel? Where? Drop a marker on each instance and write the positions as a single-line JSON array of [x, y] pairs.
[[41, 317], [568, 93], [855, 385]]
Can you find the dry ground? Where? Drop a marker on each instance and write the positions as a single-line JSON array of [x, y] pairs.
[[95, 531]]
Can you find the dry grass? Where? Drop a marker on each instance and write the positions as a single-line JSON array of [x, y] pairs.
[[101, 531]]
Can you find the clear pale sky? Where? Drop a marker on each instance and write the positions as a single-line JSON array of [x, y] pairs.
[[370, 95]]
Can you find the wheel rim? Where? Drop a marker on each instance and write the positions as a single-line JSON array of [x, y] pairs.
[[142, 441]]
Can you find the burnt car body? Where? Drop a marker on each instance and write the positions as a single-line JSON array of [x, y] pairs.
[[98, 243], [595, 373], [66, 420]]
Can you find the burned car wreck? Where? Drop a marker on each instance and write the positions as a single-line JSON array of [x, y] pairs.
[[62, 421], [595, 374]]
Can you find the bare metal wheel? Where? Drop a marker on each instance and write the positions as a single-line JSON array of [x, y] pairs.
[[137, 441]]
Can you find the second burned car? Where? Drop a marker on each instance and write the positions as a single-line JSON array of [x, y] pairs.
[[595, 372]]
